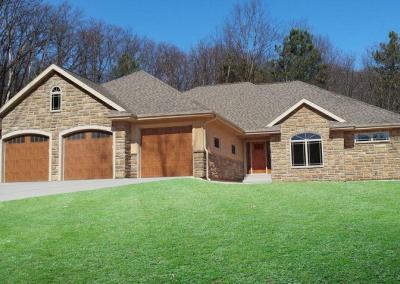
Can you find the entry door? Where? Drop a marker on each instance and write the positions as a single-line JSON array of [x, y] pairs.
[[258, 158]]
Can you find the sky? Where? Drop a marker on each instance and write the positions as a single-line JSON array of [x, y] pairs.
[[351, 25]]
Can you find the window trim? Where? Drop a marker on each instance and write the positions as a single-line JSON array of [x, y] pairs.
[[305, 141], [372, 138], [51, 98]]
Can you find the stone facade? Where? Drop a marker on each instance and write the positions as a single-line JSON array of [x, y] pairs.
[[78, 108], [379, 160], [224, 168], [199, 164], [123, 158], [343, 159], [307, 120]]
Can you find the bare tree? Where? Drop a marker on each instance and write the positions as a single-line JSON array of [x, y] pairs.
[[248, 37]]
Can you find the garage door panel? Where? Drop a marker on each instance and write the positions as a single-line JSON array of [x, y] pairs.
[[86, 157], [167, 152], [26, 160]]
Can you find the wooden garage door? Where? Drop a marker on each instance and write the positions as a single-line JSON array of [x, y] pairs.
[[167, 152], [27, 158], [88, 155]]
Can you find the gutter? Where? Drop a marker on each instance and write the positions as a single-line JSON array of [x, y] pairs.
[[365, 127]]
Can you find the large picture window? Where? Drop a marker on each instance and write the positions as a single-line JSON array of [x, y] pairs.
[[306, 150]]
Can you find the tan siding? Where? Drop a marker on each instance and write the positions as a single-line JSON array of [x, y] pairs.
[[227, 137]]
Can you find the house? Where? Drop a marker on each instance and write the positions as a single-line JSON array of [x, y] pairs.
[[62, 126]]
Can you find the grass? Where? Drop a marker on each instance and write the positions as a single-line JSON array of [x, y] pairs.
[[200, 232]]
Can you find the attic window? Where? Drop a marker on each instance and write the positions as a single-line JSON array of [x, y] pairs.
[[56, 99]]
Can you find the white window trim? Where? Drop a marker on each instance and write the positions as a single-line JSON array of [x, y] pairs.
[[51, 98], [306, 152], [372, 141]]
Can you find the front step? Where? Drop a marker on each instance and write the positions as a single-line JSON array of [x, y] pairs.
[[257, 178]]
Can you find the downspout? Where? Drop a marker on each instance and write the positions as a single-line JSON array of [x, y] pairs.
[[205, 145]]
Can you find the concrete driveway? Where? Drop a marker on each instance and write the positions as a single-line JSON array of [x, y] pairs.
[[21, 190]]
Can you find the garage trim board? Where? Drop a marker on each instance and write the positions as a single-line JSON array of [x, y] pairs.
[[21, 133], [88, 128]]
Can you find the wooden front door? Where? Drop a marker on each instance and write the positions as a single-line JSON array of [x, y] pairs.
[[258, 158], [88, 155], [27, 158], [167, 152]]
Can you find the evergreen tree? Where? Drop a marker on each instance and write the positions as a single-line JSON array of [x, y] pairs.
[[126, 65], [299, 59], [387, 68]]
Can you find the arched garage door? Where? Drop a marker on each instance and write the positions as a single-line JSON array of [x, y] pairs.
[[167, 152], [88, 155], [26, 158]]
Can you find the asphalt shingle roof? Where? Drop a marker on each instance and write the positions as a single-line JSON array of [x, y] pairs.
[[249, 106], [144, 95], [252, 107]]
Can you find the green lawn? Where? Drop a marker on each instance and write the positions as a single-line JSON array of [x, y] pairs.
[[201, 232]]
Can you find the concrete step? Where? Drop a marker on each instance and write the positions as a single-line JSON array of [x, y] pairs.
[[257, 178]]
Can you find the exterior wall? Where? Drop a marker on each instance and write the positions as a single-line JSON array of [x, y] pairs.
[[379, 160], [123, 159], [222, 164], [77, 109], [307, 120], [223, 168]]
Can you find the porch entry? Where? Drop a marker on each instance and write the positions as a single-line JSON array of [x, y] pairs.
[[258, 157]]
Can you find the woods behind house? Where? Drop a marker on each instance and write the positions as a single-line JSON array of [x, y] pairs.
[[249, 46]]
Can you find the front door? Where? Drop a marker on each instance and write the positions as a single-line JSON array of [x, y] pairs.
[[258, 158]]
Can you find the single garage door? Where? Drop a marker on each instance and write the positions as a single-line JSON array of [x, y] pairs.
[[88, 155], [27, 158], [167, 152]]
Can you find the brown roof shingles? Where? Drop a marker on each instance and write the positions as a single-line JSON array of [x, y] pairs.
[[252, 107]]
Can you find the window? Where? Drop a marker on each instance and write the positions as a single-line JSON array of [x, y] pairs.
[[233, 149], [17, 140], [99, 134], [38, 138], [306, 150], [371, 137], [77, 136], [56, 99], [216, 142]]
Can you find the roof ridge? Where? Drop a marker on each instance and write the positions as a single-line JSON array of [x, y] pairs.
[[220, 85], [148, 75]]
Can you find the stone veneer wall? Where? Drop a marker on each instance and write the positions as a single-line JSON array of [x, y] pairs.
[[199, 164], [380, 160], [78, 108], [307, 120], [223, 168], [123, 158]]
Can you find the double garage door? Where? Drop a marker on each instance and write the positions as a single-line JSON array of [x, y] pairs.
[[86, 155], [89, 155]]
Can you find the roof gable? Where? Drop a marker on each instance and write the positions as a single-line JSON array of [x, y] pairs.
[[308, 103], [91, 87]]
